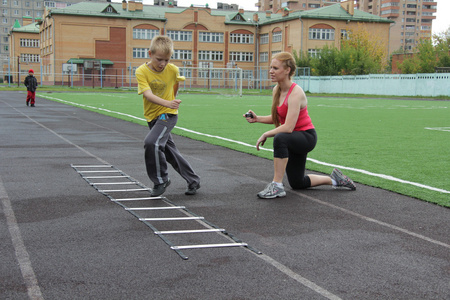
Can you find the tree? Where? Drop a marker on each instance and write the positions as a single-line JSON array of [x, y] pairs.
[[363, 52], [302, 60], [428, 56], [442, 45], [328, 62]]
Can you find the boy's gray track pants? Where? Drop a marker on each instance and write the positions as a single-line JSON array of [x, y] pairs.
[[160, 149]]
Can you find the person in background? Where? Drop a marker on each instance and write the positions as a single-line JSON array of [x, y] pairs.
[[294, 134], [31, 84]]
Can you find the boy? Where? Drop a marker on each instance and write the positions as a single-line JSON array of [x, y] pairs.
[[158, 83], [31, 84]]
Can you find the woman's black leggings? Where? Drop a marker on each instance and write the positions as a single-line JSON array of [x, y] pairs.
[[295, 146]]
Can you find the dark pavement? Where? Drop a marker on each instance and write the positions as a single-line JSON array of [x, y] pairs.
[[63, 239]]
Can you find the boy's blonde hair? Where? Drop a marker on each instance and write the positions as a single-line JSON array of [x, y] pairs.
[[162, 44]]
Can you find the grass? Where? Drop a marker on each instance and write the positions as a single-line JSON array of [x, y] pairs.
[[379, 135]]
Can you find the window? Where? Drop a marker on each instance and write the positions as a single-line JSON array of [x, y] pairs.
[[144, 34], [241, 56], [140, 52], [29, 43], [240, 38], [33, 58], [182, 54], [264, 57], [210, 55], [321, 34], [277, 36], [314, 53], [211, 37], [275, 52], [185, 36], [344, 34], [264, 38], [49, 4]]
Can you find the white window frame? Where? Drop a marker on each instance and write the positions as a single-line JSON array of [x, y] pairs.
[[321, 34], [264, 38], [277, 36], [144, 34], [241, 56], [241, 38], [140, 53], [182, 54], [210, 37], [178, 35], [210, 55]]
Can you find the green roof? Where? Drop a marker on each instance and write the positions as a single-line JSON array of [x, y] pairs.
[[16, 24], [82, 60], [337, 12], [97, 9], [150, 12], [30, 28]]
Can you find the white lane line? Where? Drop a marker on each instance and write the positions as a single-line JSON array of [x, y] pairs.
[[302, 280], [363, 217], [22, 256], [383, 176]]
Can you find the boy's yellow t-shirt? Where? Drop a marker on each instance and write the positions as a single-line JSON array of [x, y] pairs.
[[161, 84]]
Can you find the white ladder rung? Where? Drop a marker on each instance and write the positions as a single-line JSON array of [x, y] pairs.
[[138, 199], [209, 246], [171, 219], [112, 183], [154, 208], [108, 171], [189, 231], [107, 177], [93, 166], [124, 190]]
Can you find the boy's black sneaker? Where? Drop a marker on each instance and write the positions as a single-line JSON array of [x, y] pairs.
[[28, 103], [159, 189], [32, 105], [192, 189]]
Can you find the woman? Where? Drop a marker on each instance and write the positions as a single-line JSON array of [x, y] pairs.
[[294, 134]]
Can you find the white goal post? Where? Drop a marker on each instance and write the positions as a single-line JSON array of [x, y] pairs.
[[209, 78]]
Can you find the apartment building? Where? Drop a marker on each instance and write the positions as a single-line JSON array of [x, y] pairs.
[[115, 38], [413, 20]]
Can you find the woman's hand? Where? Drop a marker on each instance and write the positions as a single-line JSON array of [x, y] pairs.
[[261, 141], [251, 119]]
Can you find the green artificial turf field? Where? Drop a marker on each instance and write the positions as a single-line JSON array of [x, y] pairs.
[[371, 139]]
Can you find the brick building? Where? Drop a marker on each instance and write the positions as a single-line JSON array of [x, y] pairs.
[[115, 37]]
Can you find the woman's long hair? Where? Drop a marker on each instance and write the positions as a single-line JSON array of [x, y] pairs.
[[287, 61]]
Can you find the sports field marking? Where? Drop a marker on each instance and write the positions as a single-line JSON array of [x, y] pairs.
[[383, 176], [22, 256], [439, 128]]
